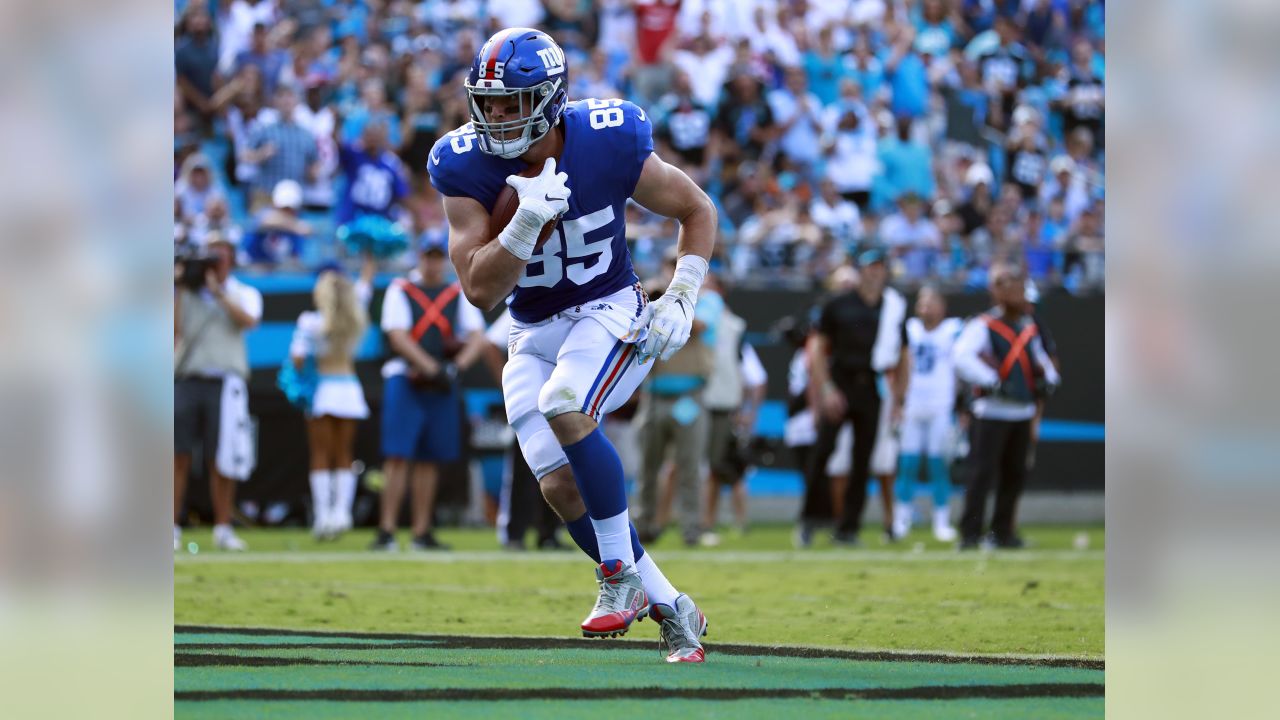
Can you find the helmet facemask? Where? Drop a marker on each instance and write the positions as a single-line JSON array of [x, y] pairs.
[[512, 138]]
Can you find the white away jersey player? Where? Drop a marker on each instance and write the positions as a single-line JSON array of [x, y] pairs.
[[605, 145], [927, 414], [933, 376]]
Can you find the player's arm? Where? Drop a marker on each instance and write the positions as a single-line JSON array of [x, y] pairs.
[[967, 356], [824, 397], [899, 378], [487, 271], [667, 191], [901, 373]]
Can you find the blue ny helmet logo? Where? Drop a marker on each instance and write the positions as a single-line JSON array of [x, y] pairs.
[[552, 59]]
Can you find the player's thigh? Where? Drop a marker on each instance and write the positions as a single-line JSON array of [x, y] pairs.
[[595, 373], [522, 380], [941, 434], [914, 434]]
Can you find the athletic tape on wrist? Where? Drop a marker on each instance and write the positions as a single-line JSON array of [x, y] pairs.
[[691, 270], [521, 234]]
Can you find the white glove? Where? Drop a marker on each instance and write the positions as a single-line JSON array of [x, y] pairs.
[[545, 196], [669, 319]]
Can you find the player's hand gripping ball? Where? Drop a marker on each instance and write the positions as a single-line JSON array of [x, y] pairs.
[[665, 324], [541, 191]]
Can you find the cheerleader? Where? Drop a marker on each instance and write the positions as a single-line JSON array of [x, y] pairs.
[[327, 338]]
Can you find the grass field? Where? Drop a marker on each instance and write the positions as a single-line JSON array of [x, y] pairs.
[[911, 630]]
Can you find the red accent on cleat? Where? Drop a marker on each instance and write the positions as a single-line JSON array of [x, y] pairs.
[[696, 656], [612, 623]]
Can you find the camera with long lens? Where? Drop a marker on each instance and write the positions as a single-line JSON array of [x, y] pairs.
[[194, 268]]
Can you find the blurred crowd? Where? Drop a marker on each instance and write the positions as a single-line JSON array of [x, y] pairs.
[[950, 132]]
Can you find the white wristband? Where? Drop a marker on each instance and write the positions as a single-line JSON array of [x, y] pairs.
[[521, 234], [691, 270]]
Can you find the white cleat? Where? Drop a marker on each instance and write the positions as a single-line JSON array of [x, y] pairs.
[[681, 625], [224, 538], [340, 521], [942, 529], [902, 519]]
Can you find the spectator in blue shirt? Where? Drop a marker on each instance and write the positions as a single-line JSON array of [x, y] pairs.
[[283, 150], [278, 234], [798, 113], [866, 68], [906, 165], [374, 178], [371, 108], [269, 61], [824, 68], [908, 78], [934, 34], [195, 58]]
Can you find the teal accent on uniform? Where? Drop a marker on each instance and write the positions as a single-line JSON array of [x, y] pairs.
[[939, 480], [673, 385], [344, 377], [908, 475]]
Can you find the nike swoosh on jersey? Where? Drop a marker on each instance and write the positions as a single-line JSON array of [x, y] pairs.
[[640, 113], [435, 159]]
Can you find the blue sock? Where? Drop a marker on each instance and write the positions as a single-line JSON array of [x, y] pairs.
[[939, 481], [908, 474], [598, 472], [584, 535]]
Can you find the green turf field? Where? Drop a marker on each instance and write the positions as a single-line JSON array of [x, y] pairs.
[[911, 630]]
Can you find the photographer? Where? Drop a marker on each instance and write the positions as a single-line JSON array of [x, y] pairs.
[[434, 332], [212, 311], [1002, 354]]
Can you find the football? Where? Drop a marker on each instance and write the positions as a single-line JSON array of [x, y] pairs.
[[504, 208]]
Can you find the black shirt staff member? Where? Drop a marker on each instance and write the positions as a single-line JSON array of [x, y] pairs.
[[860, 335], [1001, 353]]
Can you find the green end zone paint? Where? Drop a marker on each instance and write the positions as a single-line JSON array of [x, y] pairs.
[[238, 672]]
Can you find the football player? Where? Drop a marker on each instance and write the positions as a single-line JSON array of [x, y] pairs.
[[927, 415], [583, 335]]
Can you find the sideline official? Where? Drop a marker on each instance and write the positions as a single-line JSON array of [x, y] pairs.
[[1001, 353]]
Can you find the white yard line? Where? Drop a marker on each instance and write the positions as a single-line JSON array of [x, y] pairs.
[[737, 556]]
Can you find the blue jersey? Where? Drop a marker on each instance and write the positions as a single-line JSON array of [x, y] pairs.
[[606, 143], [374, 184]]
